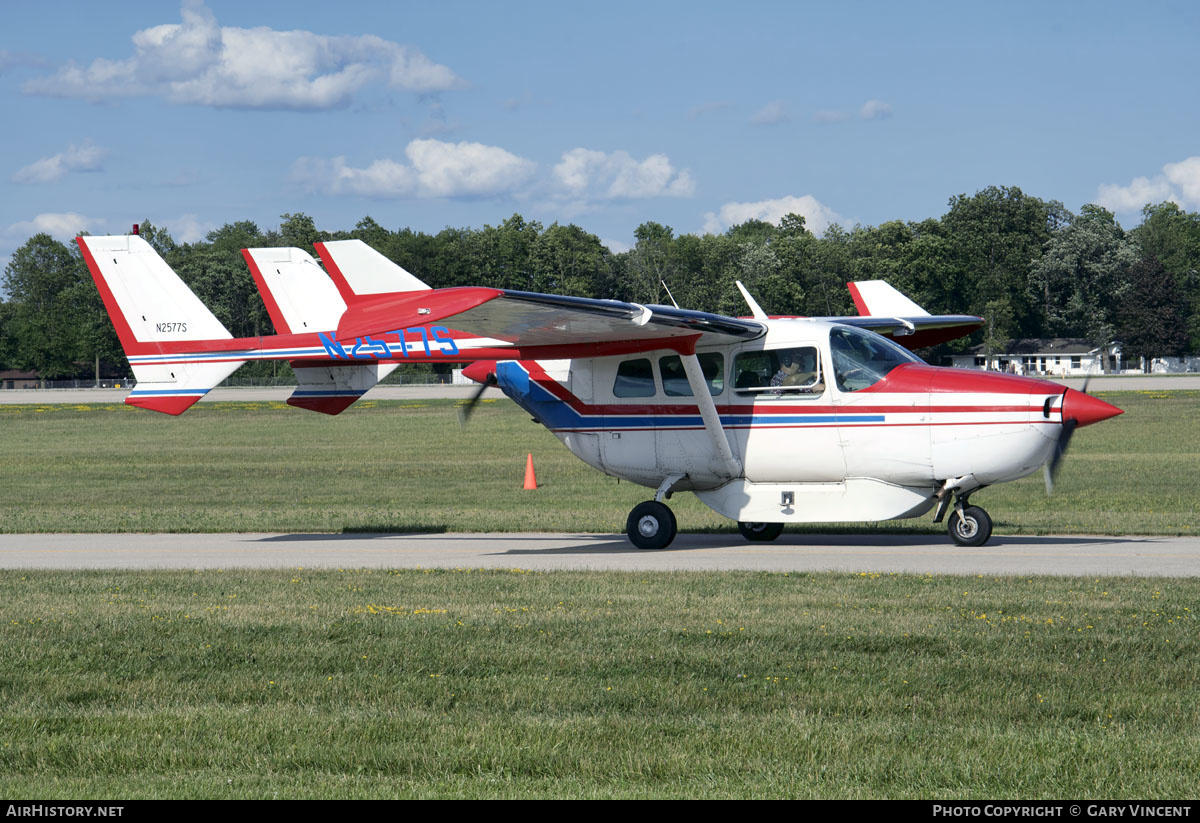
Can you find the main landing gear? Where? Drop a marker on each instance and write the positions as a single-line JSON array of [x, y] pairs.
[[651, 525], [760, 531]]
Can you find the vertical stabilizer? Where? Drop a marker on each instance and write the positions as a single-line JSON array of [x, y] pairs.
[[299, 295], [360, 271], [161, 324], [875, 298]]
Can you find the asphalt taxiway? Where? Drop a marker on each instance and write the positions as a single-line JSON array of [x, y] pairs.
[[1074, 555]]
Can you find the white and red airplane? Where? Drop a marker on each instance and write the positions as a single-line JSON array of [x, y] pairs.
[[768, 421]]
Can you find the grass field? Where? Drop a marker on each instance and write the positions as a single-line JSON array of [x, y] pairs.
[[510, 684], [469, 683], [393, 466]]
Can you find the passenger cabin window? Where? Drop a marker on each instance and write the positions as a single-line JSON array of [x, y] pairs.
[[861, 359], [674, 378], [778, 372], [635, 378]]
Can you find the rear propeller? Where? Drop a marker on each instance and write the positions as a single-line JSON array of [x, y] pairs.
[[465, 411]]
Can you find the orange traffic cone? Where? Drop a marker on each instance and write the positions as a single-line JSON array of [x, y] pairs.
[[530, 477]]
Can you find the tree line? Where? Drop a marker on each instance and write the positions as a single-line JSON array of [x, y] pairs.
[[1028, 266]]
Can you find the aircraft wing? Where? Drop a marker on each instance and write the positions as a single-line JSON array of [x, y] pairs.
[[545, 325]]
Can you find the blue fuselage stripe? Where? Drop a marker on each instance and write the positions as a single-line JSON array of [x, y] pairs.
[[556, 414]]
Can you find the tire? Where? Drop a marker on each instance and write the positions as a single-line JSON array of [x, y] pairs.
[[760, 531], [972, 528], [650, 526]]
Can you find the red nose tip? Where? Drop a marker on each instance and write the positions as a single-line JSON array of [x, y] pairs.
[[1085, 409], [480, 369]]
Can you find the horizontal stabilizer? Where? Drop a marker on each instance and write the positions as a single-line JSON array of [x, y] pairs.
[[331, 389], [298, 294], [188, 383]]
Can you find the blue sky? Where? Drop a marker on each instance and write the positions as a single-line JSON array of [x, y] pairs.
[[693, 114]]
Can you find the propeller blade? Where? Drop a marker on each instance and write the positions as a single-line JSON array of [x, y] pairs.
[[465, 411], [1060, 450]]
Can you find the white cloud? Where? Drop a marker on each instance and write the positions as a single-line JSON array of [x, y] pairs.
[[62, 226], [85, 157], [773, 114], [1185, 177], [875, 110], [817, 216], [616, 246], [584, 174], [1178, 182], [435, 169], [201, 63], [1131, 198]]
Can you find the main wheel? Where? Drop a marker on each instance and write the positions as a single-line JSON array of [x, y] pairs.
[[760, 531], [972, 528], [650, 525]]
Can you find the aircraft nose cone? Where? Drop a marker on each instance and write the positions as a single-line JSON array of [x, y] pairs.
[[1085, 409]]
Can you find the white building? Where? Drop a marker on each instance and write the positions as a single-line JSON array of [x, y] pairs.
[[1060, 357]]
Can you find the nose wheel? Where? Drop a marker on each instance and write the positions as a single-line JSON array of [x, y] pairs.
[[969, 527], [651, 525]]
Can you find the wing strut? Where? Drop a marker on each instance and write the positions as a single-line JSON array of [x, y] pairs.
[[727, 464]]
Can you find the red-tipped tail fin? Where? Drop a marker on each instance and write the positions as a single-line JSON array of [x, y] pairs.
[[158, 319]]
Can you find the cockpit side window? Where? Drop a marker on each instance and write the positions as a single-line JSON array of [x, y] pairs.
[[778, 372], [674, 378], [635, 378], [861, 359]]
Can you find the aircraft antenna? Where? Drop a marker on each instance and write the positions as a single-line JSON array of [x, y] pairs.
[[755, 309], [669, 295]]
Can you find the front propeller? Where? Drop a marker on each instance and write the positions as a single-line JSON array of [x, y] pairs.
[[1078, 409]]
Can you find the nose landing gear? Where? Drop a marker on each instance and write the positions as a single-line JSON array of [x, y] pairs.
[[969, 526]]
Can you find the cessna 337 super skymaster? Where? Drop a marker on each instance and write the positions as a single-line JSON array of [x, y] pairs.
[[768, 421]]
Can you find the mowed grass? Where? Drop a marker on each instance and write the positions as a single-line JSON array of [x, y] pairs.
[[395, 467], [512, 684]]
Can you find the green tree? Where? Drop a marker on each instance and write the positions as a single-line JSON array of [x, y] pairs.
[[371, 233], [1150, 319], [1173, 236], [650, 264], [993, 238], [1083, 276], [216, 271], [299, 230], [159, 239], [569, 260], [48, 308]]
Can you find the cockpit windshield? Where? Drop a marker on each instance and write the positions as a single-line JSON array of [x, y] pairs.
[[862, 359]]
